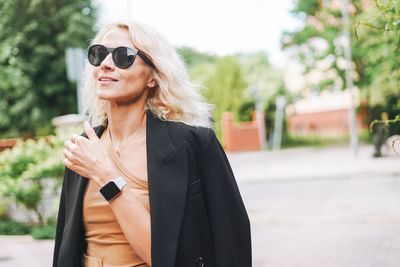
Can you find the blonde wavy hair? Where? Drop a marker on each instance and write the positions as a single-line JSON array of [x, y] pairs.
[[175, 98]]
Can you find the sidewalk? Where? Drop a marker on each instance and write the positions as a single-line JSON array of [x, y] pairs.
[[23, 251], [310, 163]]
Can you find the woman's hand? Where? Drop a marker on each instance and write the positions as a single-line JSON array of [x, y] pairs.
[[88, 157]]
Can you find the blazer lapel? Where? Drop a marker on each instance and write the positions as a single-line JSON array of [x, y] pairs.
[[167, 179]]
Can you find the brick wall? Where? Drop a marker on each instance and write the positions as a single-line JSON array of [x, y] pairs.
[[242, 136], [7, 143], [332, 122]]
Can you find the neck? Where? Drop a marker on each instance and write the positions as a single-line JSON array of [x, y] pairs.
[[125, 120]]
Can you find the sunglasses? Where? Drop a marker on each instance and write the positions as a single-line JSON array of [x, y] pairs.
[[122, 56]]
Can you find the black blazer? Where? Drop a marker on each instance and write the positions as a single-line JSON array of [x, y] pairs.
[[197, 214]]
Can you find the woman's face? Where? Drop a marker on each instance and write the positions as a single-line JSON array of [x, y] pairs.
[[121, 85]]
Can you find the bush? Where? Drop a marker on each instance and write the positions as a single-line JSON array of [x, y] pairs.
[[25, 166], [14, 228], [44, 232], [366, 137], [47, 231]]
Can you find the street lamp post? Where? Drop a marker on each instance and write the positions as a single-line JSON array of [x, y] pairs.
[[278, 127], [75, 58], [349, 78], [259, 116]]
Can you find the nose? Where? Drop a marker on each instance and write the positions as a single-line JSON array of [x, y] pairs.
[[107, 63]]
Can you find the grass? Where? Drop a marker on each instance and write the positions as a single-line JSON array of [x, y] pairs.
[[315, 141], [320, 141]]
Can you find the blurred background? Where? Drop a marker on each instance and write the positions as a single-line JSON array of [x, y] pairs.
[[306, 96]]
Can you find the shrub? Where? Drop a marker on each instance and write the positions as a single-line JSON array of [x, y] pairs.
[[24, 167], [44, 232], [14, 228]]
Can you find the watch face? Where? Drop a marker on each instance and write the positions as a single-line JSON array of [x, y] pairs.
[[110, 190]]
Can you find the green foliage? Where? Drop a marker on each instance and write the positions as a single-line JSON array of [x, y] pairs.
[[263, 77], [322, 22], [291, 141], [269, 83], [4, 215], [385, 18], [14, 228], [224, 89], [312, 140], [192, 57], [200, 65], [375, 55], [23, 168], [391, 123], [383, 57], [229, 82], [381, 54], [44, 232], [365, 137], [47, 231], [33, 83], [306, 7], [246, 110]]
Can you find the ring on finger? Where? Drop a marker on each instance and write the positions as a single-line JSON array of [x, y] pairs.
[[73, 138]]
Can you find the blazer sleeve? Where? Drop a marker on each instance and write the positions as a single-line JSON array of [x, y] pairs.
[[60, 222], [229, 222]]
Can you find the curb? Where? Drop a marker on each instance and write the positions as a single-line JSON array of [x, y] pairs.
[[16, 238]]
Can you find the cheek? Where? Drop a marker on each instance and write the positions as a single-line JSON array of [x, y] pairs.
[[136, 79]]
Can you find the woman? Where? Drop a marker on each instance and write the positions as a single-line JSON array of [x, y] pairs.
[[168, 195]]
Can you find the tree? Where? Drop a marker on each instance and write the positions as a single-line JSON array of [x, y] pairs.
[[193, 57], [261, 75], [224, 89], [268, 81], [229, 83], [200, 65], [375, 55], [382, 22], [33, 83], [381, 52]]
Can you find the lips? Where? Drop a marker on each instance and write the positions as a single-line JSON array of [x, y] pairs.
[[105, 80]]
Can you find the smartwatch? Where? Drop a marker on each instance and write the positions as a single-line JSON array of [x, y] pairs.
[[112, 189]]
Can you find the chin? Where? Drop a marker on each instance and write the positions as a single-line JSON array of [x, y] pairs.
[[105, 94], [115, 98], [108, 98]]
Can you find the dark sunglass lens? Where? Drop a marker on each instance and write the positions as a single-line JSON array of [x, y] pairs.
[[96, 54], [123, 57]]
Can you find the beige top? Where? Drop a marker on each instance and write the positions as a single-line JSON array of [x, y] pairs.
[[104, 236]]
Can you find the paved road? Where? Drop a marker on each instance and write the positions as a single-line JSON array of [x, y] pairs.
[[321, 207], [338, 222], [308, 207]]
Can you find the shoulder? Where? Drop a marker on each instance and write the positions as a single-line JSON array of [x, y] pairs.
[[194, 135]]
